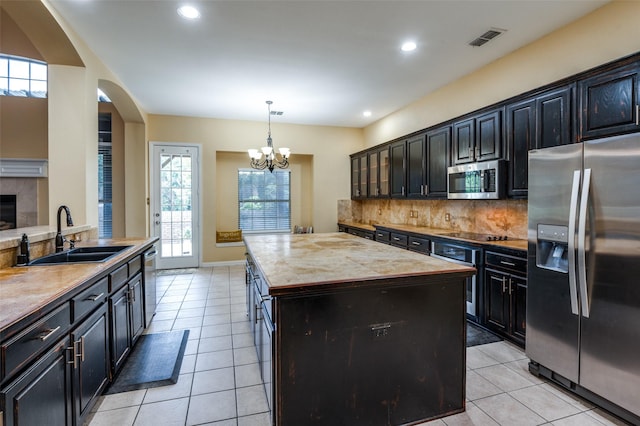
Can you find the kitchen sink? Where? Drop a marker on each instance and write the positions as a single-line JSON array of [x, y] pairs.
[[79, 255]]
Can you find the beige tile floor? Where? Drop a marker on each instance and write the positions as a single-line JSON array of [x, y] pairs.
[[219, 382]]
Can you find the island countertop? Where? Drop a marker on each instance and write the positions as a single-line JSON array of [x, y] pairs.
[[296, 262], [27, 289]]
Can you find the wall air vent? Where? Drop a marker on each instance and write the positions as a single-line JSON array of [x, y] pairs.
[[277, 112], [487, 36]]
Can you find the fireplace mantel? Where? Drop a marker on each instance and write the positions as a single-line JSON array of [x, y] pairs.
[[23, 167]]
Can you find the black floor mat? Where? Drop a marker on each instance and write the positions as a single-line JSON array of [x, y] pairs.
[[154, 361], [479, 336]]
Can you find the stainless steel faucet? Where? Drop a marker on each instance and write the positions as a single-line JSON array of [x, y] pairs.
[[59, 238]]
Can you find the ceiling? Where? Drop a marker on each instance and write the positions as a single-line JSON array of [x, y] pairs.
[[321, 62]]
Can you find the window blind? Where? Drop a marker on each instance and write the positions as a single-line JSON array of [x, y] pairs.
[[264, 200]]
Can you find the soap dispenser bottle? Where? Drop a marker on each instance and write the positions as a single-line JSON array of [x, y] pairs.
[[23, 257]]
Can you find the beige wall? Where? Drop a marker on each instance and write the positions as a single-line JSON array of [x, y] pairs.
[[326, 148], [608, 33]]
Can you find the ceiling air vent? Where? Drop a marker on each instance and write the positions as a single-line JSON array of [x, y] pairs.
[[487, 36]]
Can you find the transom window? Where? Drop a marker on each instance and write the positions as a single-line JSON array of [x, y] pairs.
[[264, 200], [22, 77]]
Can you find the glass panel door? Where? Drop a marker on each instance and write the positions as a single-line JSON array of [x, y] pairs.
[[175, 205]]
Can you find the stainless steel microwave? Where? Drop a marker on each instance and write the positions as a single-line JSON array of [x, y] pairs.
[[477, 181]]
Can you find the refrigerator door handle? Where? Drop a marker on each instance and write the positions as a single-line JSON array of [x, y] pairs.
[[582, 264], [571, 257]]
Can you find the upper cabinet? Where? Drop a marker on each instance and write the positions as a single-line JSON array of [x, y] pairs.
[[378, 172], [415, 167], [398, 169], [610, 103], [359, 178], [542, 121], [600, 102], [478, 138], [438, 150]]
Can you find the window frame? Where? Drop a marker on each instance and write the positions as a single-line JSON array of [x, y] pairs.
[[5, 74], [278, 218]]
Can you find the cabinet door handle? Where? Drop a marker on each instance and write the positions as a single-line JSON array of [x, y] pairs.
[[95, 297], [48, 333], [82, 349], [403, 190], [471, 153], [477, 152], [510, 286], [504, 284], [638, 115], [74, 355], [426, 190]]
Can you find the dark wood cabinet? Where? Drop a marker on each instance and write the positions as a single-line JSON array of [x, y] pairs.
[[521, 137], [540, 122], [42, 394], [90, 361], [610, 103], [397, 173], [358, 232], [120, 330], [415, 166], [438, 159], [378, 172], [127, 320], [506, 295], [478, 138], [359, 176]]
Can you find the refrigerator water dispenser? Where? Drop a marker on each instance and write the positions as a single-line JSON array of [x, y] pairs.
[[552, 248]]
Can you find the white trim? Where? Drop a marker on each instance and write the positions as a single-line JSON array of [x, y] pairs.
[[234, 244], [225, 263], [198, 195], [23, 167]]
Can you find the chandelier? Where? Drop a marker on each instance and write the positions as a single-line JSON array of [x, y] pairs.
[[266, 157]]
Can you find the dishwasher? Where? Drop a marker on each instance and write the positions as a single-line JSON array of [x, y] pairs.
[[463, 255], [150, 293]]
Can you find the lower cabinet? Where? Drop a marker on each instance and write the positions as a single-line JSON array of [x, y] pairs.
[[42, 394], [90, 363], [127, 319], [506, 295], [53, 370]]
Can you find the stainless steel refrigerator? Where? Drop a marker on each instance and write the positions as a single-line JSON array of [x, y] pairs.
[[583, 296]]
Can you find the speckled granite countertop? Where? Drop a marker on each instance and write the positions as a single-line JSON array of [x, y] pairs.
[[27, 289], [301, 261], [424, 230]]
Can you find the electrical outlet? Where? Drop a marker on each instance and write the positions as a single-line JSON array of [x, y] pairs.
[[447, 217], [413, 213]]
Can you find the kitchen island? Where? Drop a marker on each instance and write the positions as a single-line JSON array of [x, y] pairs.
[[353, 332]]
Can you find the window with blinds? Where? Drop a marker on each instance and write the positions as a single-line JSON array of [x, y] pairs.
[[264, 200], [105, 196]]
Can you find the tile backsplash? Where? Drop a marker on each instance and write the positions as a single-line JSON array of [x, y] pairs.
[[498, 217]]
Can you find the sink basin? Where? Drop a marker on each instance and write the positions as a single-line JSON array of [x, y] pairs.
[[80, 255]]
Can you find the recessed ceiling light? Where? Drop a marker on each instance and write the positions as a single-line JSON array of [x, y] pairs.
[[408, 46], [367, 113], [188, 12]]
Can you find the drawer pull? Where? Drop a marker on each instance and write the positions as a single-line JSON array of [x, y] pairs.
[[48, 333], [95, 297], [415, 243], [396, 239], [504, 262]]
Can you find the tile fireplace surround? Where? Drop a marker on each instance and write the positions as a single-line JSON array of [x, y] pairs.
[[26, 191], [496, 217]]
